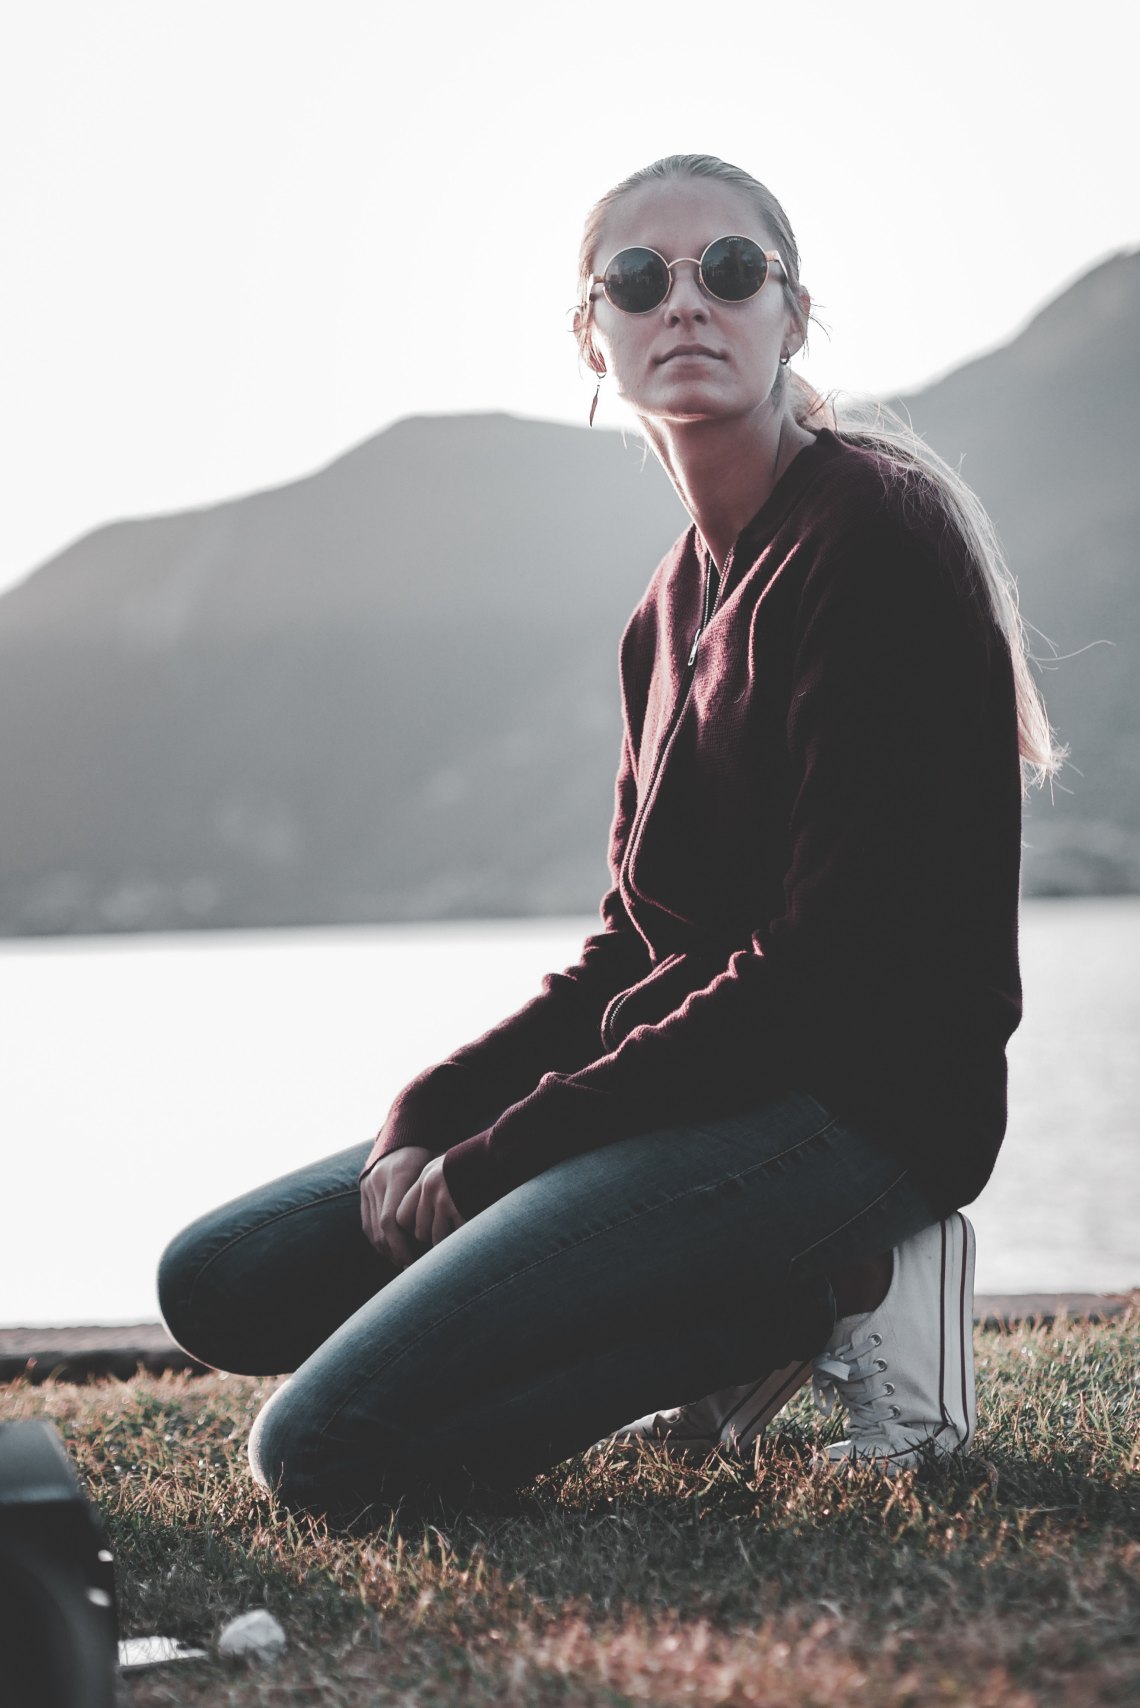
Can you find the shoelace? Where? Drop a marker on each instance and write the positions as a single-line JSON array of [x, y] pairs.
[[853, 1373]]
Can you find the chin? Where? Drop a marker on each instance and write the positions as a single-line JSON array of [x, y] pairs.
[[695, 399], [694, 409]]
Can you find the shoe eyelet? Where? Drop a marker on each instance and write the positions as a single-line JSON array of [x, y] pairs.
[[889, 1388], [896, 1411], [876, 1340], [880, 1363]]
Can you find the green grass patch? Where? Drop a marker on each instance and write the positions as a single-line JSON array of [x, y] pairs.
[[1010, 1579]]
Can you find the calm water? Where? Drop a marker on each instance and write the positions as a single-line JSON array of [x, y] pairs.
[[146, 1079]]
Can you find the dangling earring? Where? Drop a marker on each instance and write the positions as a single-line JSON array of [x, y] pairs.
[[601, 373], [785, 359]]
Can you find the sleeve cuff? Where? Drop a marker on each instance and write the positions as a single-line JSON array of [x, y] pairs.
[[472, 1175]]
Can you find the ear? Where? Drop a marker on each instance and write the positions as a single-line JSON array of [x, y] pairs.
[[797, 328], [586, 347]]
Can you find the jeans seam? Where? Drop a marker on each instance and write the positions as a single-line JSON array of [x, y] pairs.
[[277, 1216], [863, 1211], [517, 1274]]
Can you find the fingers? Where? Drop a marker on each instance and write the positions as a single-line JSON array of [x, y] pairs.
[[381, 1193], [427, 1209], [368, 1209], [422, 1213], [408, 1208], [416, 1214], [398, 1238], [442, 1223], [425, 1215], [405, 1206]]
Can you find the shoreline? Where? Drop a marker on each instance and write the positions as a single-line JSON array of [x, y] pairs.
[[89, 1352]]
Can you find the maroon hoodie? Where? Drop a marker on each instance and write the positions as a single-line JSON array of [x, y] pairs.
[[815, 856]]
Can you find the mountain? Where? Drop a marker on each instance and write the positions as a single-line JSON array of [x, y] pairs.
[[389, 691], [1045, 432]]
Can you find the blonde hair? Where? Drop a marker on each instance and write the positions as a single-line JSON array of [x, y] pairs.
[[908, 459]]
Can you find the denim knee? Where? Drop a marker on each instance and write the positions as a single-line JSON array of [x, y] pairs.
[[357, 1485], [178, 1270], [200, 1301], [271, 1450], [290, 1457]]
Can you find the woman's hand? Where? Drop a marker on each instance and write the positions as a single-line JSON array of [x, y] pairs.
[[428, 1209], [382, 1191]]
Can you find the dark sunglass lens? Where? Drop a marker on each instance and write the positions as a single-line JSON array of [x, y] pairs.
[[636, 280], [733, 268]]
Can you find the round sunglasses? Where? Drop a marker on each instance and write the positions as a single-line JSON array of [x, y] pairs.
[[731, 269]]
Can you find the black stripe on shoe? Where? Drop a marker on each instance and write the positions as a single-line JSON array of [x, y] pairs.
[[964, 1327], [942, 1331], [771, 1400]]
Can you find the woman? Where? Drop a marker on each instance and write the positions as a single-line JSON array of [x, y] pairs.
[[781, 1057]]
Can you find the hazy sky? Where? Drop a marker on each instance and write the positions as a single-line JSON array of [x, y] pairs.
[[239, 236]]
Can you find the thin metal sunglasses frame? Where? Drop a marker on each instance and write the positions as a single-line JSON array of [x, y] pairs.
[[769, 255]]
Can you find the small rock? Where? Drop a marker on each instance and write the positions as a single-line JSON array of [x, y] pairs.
[[253, 1636]]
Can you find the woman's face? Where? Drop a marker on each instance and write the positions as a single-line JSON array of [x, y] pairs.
[[692, 358]]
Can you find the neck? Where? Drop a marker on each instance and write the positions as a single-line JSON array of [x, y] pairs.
[[725, 470]]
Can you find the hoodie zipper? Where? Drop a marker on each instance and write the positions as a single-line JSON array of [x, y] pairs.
[[707, 606], [703, 624]]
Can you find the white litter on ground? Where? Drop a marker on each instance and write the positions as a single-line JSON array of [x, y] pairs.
[[253, 1636]]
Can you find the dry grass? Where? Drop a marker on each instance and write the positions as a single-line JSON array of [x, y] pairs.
[[1006, 1581]]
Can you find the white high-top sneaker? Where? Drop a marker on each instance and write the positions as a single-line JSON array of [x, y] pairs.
[[731, 1418], [905, 1371]]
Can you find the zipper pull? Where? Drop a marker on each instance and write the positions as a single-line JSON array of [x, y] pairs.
[[704, 610]]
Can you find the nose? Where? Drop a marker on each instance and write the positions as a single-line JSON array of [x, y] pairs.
[[686, 301]]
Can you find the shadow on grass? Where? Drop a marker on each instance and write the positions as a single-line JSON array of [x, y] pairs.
[[187, 1582]]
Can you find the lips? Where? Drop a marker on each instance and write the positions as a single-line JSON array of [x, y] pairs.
[[689, 350]]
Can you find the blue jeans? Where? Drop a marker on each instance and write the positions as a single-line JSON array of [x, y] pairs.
[[637, 1276]]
